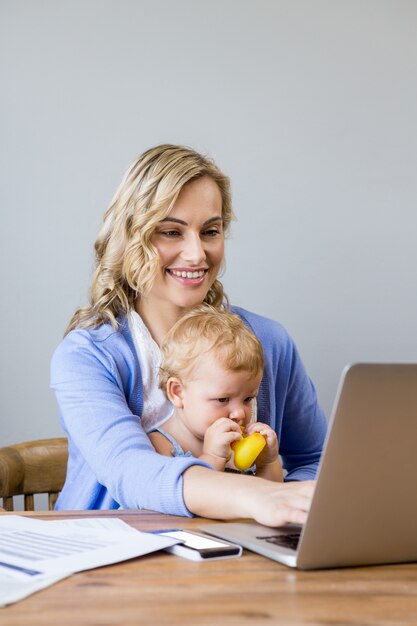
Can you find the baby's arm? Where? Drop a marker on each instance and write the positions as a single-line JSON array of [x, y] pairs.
[[217, 442], [268, 464]]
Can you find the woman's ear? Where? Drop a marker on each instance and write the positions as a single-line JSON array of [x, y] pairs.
[[175, 392]]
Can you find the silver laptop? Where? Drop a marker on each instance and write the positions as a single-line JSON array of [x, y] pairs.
[[364, 508]]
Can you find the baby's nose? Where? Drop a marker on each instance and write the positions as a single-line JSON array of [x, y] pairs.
[[237, 415]]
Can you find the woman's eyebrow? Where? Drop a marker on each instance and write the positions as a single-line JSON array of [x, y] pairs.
[[174, 219], [217, 218]]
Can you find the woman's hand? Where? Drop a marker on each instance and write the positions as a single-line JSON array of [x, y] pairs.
[[227, 496], [275, 504]]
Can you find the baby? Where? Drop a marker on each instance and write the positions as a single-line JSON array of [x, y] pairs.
[[211, 370]]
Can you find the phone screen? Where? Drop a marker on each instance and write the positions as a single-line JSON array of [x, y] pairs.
[[197, 542]]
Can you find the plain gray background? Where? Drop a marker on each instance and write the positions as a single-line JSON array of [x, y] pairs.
[[309, 106]]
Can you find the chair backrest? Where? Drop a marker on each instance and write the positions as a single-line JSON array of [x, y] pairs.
[[31, 468]]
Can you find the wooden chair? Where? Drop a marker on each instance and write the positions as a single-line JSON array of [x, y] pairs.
[[33, 467]]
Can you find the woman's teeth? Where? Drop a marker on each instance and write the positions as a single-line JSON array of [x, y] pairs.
[[188, 274]]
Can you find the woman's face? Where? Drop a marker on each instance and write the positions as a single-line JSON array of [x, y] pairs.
[[190, 245]]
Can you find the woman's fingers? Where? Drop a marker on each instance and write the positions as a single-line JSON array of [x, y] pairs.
[[287, 503]]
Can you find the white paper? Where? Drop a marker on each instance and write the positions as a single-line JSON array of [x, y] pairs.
[[103, 523], [12, 590], [35, 554]]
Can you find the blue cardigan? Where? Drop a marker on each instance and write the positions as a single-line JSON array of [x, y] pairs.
[[96, 376]]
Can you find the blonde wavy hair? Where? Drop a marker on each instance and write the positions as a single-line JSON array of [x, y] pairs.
[[205, 329], [126, 260]]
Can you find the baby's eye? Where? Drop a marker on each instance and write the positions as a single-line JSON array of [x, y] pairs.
[[249, 399], [223, 400]]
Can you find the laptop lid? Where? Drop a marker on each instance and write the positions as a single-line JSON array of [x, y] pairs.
[[364, 509]]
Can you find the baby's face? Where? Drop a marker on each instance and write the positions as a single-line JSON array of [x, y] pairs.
[[211, 392]]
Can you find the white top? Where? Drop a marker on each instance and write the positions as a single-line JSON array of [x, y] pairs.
[[156, 408]]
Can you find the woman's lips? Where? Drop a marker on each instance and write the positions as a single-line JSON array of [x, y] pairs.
[[187, 273], [188, 276]]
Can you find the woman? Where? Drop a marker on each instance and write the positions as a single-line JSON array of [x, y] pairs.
[[158, 254]]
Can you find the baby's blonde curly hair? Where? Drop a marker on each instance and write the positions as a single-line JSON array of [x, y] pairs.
[[126, 260], [205, 329]]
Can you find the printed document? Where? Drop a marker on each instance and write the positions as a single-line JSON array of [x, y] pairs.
[[35, 554]]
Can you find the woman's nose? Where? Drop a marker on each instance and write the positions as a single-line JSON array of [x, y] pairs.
[[193, 251]]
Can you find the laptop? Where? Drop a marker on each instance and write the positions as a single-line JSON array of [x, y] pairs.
[[364, 507]]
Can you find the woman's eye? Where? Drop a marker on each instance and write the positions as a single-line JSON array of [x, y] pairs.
[[170, 233], [211, 232]]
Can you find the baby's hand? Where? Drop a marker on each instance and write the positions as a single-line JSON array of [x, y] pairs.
[[270, 453], [217, 442]]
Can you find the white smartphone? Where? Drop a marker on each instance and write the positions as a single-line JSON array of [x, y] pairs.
[[199, 547]]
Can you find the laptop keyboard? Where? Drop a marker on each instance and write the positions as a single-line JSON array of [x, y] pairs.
[[289, 540]]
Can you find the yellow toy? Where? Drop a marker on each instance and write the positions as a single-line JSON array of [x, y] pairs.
[[247, 450]]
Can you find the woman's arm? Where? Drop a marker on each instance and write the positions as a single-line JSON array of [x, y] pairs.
[[111, 460], [304, 425], [226, 496]]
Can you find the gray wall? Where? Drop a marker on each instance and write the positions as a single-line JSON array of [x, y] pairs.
[[309, 106]]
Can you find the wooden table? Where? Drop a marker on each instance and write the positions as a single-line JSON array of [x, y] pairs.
[[164, 590]]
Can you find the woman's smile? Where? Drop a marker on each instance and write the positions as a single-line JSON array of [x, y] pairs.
[[188, 277]]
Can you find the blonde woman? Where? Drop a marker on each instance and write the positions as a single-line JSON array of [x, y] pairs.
[[159, 253]]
